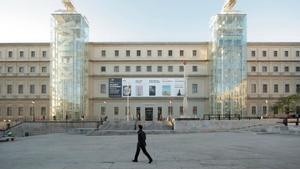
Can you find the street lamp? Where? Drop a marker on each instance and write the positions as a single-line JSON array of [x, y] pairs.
[[266, 101], [33, 111], [170, 109]]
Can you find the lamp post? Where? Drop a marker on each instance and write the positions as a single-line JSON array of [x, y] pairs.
[[185, 100], [170, 109], [267, 113], [33, 111], [128, 104]]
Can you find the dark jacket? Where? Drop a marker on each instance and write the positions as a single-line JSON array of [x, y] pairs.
[[141, 138]]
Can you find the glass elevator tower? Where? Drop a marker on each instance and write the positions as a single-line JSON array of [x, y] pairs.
[[228, 64], [69, 66]]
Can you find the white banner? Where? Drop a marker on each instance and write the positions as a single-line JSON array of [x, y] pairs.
[[153, 87]]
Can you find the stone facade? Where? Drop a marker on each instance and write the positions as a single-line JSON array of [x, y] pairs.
[[273, 72]]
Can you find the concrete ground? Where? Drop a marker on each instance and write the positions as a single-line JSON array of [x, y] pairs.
[[226, 150]]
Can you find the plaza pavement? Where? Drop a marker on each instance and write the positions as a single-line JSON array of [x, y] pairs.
[[219, 150]]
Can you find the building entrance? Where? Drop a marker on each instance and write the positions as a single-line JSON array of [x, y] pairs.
[[149, 113]]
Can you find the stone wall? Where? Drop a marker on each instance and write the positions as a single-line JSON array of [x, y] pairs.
[[220, 125]]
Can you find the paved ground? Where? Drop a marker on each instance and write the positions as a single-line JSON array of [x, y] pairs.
[[191, 151]]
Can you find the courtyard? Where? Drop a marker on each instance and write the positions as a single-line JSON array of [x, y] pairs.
[[219, 150]]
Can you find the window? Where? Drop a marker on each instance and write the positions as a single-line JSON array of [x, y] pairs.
[[195, 111], [9, 111], [103, 110], [159, 68], [253, 110], [103, 53], [21, 54], [195, 68], [286, 69], [44, 54], [253, 68], [20, 89], [253, 88], [31, 111], [275, 69], [32, 54], [9, 89], [20, 111], [298, 69], [286, 53], [32, 89], [264, 53], [103, 69], [253, 53], [195, 88], [116, 111], [43, 111], [265, 88], [298, 88], [44, 89], [275, 108], [287, 88], [297, 53], [103, 88], [275, 53], [181, 68], [127, 68], [21, 69], [159, 53], [128, 53], [264, 110], [138, 68], [138, 53], [44, 69], [116, 53], [32, 69], [10, 54], [149, 52], [170, 53], [181, 110], [181, 52], [194, 52], [170, 68], [170, 110], [149, 68], [275, 88], [264, 69], [116, 68], [9, 69]]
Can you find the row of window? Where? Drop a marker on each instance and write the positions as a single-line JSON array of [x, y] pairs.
[[20, 89], [148, 68], [21, 54], [138, 110], [275, 69], [275, 53], [21, 69], [129, 53], [275, 88], [103, 88], [20, 111], [266, 109]]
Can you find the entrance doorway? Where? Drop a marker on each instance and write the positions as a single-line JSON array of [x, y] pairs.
[[149, 114], [138, 113]]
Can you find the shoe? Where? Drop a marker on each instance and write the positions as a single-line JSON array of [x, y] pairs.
[[150, 161], [135, 161]]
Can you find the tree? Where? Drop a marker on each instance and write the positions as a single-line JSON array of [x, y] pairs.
[[287, 104]]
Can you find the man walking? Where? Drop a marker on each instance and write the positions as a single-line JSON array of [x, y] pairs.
[[141, 145]]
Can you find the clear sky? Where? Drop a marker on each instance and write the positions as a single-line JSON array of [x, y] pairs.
[[149, 20]]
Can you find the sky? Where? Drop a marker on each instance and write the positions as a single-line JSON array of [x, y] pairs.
[[150, 20]]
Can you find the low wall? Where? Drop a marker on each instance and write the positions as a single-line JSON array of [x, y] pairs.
[[219, 125], [38, 128]]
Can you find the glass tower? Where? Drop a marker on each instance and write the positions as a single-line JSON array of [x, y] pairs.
[[69, 66], [228, 64]]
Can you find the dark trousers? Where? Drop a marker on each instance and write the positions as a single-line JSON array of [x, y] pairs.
[[138, 149]]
